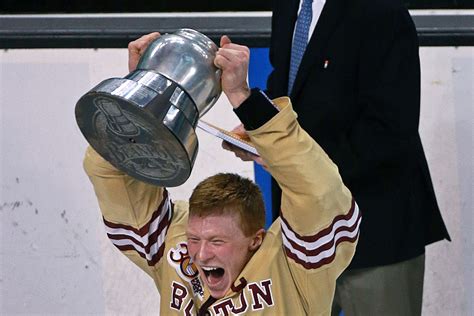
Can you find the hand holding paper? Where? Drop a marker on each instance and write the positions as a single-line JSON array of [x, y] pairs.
[[236, 141]]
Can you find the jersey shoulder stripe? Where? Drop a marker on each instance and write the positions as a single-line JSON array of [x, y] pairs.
[[319, 249], [149, 240]]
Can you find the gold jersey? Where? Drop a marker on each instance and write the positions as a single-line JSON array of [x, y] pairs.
[[295, 269]]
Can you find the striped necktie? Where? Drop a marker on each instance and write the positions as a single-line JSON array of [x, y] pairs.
[[300, 40]]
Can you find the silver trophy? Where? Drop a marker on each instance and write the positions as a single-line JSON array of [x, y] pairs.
[[144, 124]]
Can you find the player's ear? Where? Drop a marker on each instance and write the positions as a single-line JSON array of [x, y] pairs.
[[257, 240]]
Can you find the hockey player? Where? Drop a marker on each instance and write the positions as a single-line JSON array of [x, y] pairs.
[[213, 256]]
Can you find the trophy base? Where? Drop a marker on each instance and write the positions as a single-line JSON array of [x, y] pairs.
[[144, 127]]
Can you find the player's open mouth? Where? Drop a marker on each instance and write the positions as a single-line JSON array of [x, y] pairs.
[[213, 274]]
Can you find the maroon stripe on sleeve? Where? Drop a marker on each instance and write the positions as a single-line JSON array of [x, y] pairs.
[[325, 231], [154, 260], [326, 246], [144, 229], [315, 251], [316, 265], [122, 237], [153, 238]]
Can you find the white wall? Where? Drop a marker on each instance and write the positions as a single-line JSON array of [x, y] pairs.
[[446, 129], [54, 256]]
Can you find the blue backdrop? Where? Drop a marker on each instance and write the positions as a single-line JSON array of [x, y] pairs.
[[259, 69]]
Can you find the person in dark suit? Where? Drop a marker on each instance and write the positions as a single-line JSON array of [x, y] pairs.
[[357, 93]]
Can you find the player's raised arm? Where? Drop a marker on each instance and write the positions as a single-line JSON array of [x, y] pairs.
[[135, 213], [319, 218]]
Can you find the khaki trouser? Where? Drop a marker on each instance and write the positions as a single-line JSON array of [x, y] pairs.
[[395, 289]]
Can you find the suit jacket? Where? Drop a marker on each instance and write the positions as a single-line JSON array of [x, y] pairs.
[[357, 93]]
